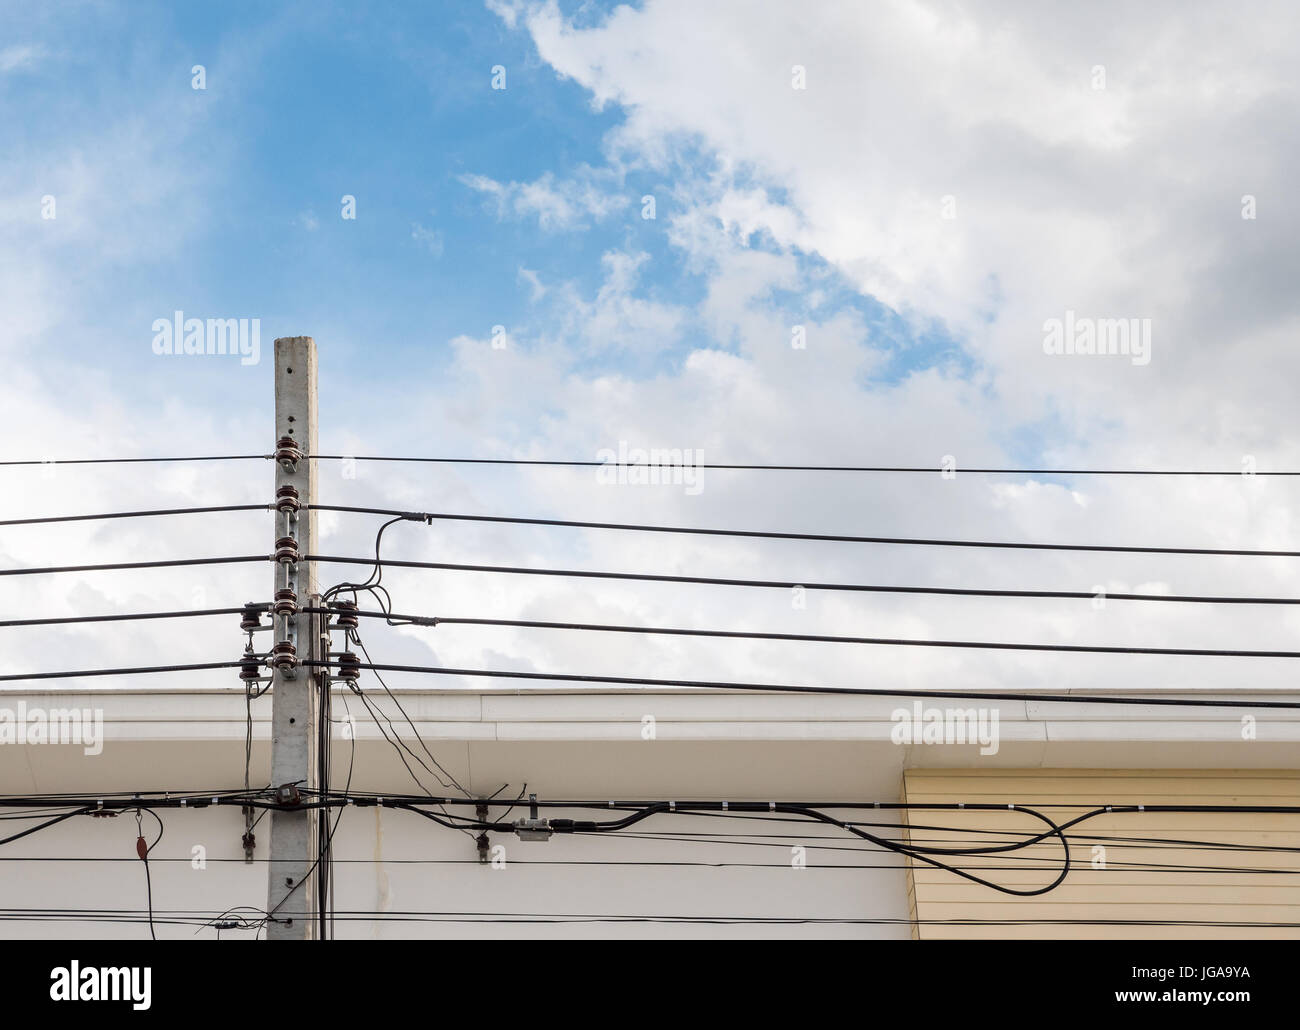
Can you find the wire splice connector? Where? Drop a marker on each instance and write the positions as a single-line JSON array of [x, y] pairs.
[[533, 827]]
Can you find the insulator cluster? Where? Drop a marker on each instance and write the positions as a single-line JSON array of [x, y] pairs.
[[284, 655], [287, 453], [286, 602], [345, 615], [250, 666], [286, 499], [252, 617], [349, 666]]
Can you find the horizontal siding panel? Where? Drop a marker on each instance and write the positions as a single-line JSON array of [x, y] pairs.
[[1246, 885]]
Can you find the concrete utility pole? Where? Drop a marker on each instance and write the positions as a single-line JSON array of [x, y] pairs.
[[296, 691]]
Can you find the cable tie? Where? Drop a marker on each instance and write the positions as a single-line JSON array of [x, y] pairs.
[[724, 806], [216, 801], [672, 806], [1011, 806], [1142, 808], [182, 802], [961, 804], [771, 806], [1108, 808], [611, 804]]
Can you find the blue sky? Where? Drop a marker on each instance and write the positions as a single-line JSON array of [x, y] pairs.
[[239, 213]]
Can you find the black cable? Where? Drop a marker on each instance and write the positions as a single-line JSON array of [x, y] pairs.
[[129, 461], [803, 468], [424, 620], [789, 688], [136, 514], [144, 857], [137, 565], [77, 673], [719, 467], [129, 617], [827, 537], [790, 584], [639, 811], [49, 822]]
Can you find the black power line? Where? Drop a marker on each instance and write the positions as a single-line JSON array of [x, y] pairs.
[[756, 467], [687, 530], [129, 616], [971, 695], [423, 620], [114, 566], [827, 537], [930, 469], [136, 514], [129, 461], [790, 584], [144, 670]]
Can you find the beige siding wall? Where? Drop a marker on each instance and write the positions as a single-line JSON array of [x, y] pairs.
[[1211, 867]]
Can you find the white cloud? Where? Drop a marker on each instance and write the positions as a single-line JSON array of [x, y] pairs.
[[429, 239], [555, 203], [1115, 202], [21, 57]]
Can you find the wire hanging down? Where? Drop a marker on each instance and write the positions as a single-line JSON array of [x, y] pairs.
[[631, 813]]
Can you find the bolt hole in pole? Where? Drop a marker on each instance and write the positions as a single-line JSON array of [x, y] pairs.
[[288, 881]]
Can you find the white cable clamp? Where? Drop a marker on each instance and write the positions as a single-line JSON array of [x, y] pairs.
[[672, 806], [182, 802], [216, 801], [724, 806], [771, 806], [1142, 808]]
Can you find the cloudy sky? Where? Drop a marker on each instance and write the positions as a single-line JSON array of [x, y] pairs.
[[654, 203]]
